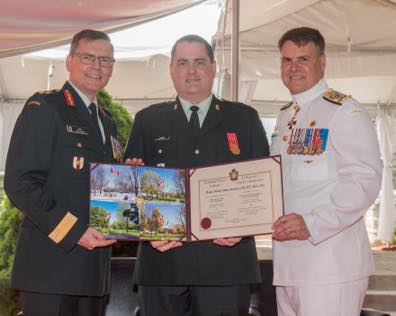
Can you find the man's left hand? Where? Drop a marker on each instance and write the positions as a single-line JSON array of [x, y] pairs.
[[228, 242], [289, 227]]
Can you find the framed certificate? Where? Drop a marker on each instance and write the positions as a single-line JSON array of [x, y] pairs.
[[151, 203]]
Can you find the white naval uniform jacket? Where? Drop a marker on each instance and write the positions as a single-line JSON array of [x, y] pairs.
[[331, 190]]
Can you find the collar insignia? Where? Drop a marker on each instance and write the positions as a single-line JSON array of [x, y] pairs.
[[69, 98]]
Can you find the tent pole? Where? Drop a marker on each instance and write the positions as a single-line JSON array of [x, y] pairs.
[[235, 50]]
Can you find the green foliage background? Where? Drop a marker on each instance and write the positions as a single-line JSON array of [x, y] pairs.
[[11, 217], [120, 115]]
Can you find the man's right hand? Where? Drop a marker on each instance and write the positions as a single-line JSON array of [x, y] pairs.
[[165, 245], [93, 239]]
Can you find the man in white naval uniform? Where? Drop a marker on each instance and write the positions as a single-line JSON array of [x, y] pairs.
[[331, 175]]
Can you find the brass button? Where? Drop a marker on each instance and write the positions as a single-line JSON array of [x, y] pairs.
[[79, 145], [196, 151], [285, 138], [160, 151]]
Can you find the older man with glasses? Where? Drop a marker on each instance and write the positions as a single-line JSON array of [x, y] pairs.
[[62, 265]]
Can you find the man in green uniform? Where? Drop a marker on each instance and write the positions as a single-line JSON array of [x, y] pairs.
[[197, 129], [61, 265]]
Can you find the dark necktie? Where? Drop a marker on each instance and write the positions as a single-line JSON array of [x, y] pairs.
[[194, 120], [94, 115]]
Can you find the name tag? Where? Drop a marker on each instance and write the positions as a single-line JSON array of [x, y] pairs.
[[162, 138], [76, 130]]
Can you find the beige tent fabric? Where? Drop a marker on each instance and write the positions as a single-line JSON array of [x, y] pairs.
[[26, 25]]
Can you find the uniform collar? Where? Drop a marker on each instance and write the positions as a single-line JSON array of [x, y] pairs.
[[83, 97], [309, 95], [204, 106]]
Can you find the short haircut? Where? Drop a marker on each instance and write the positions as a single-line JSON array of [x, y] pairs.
[[88, 35], [192, 38], [301, 36]]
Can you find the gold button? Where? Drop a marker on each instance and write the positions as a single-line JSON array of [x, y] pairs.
[[79, 145], [196, 151], [285, 138], [160, 151]]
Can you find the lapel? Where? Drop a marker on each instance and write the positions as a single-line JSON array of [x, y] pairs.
[[214, 117], [106, 124], [82, 114], [178, 117]]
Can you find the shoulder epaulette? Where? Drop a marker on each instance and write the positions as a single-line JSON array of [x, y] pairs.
[[335, 97], [288, 105], [49, 92], [173, 104], [39, 96], [226, 102], [33, 103]]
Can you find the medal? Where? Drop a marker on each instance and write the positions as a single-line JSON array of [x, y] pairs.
[[324, 134], [116, 147], [233, 143], [291, 142], [78, 163], [300, 143], [307, 141]]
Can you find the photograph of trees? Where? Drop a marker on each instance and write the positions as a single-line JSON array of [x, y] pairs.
[[137, 202]]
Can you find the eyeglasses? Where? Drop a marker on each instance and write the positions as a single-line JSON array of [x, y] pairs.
[[88, 59], [299, 61]]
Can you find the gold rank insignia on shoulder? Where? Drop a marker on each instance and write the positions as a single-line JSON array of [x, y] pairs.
[[335, 97], [33, 103], [288, 105]]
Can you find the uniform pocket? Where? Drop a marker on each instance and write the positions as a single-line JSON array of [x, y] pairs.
[[76, 155], [310, 167], [164, 151]]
